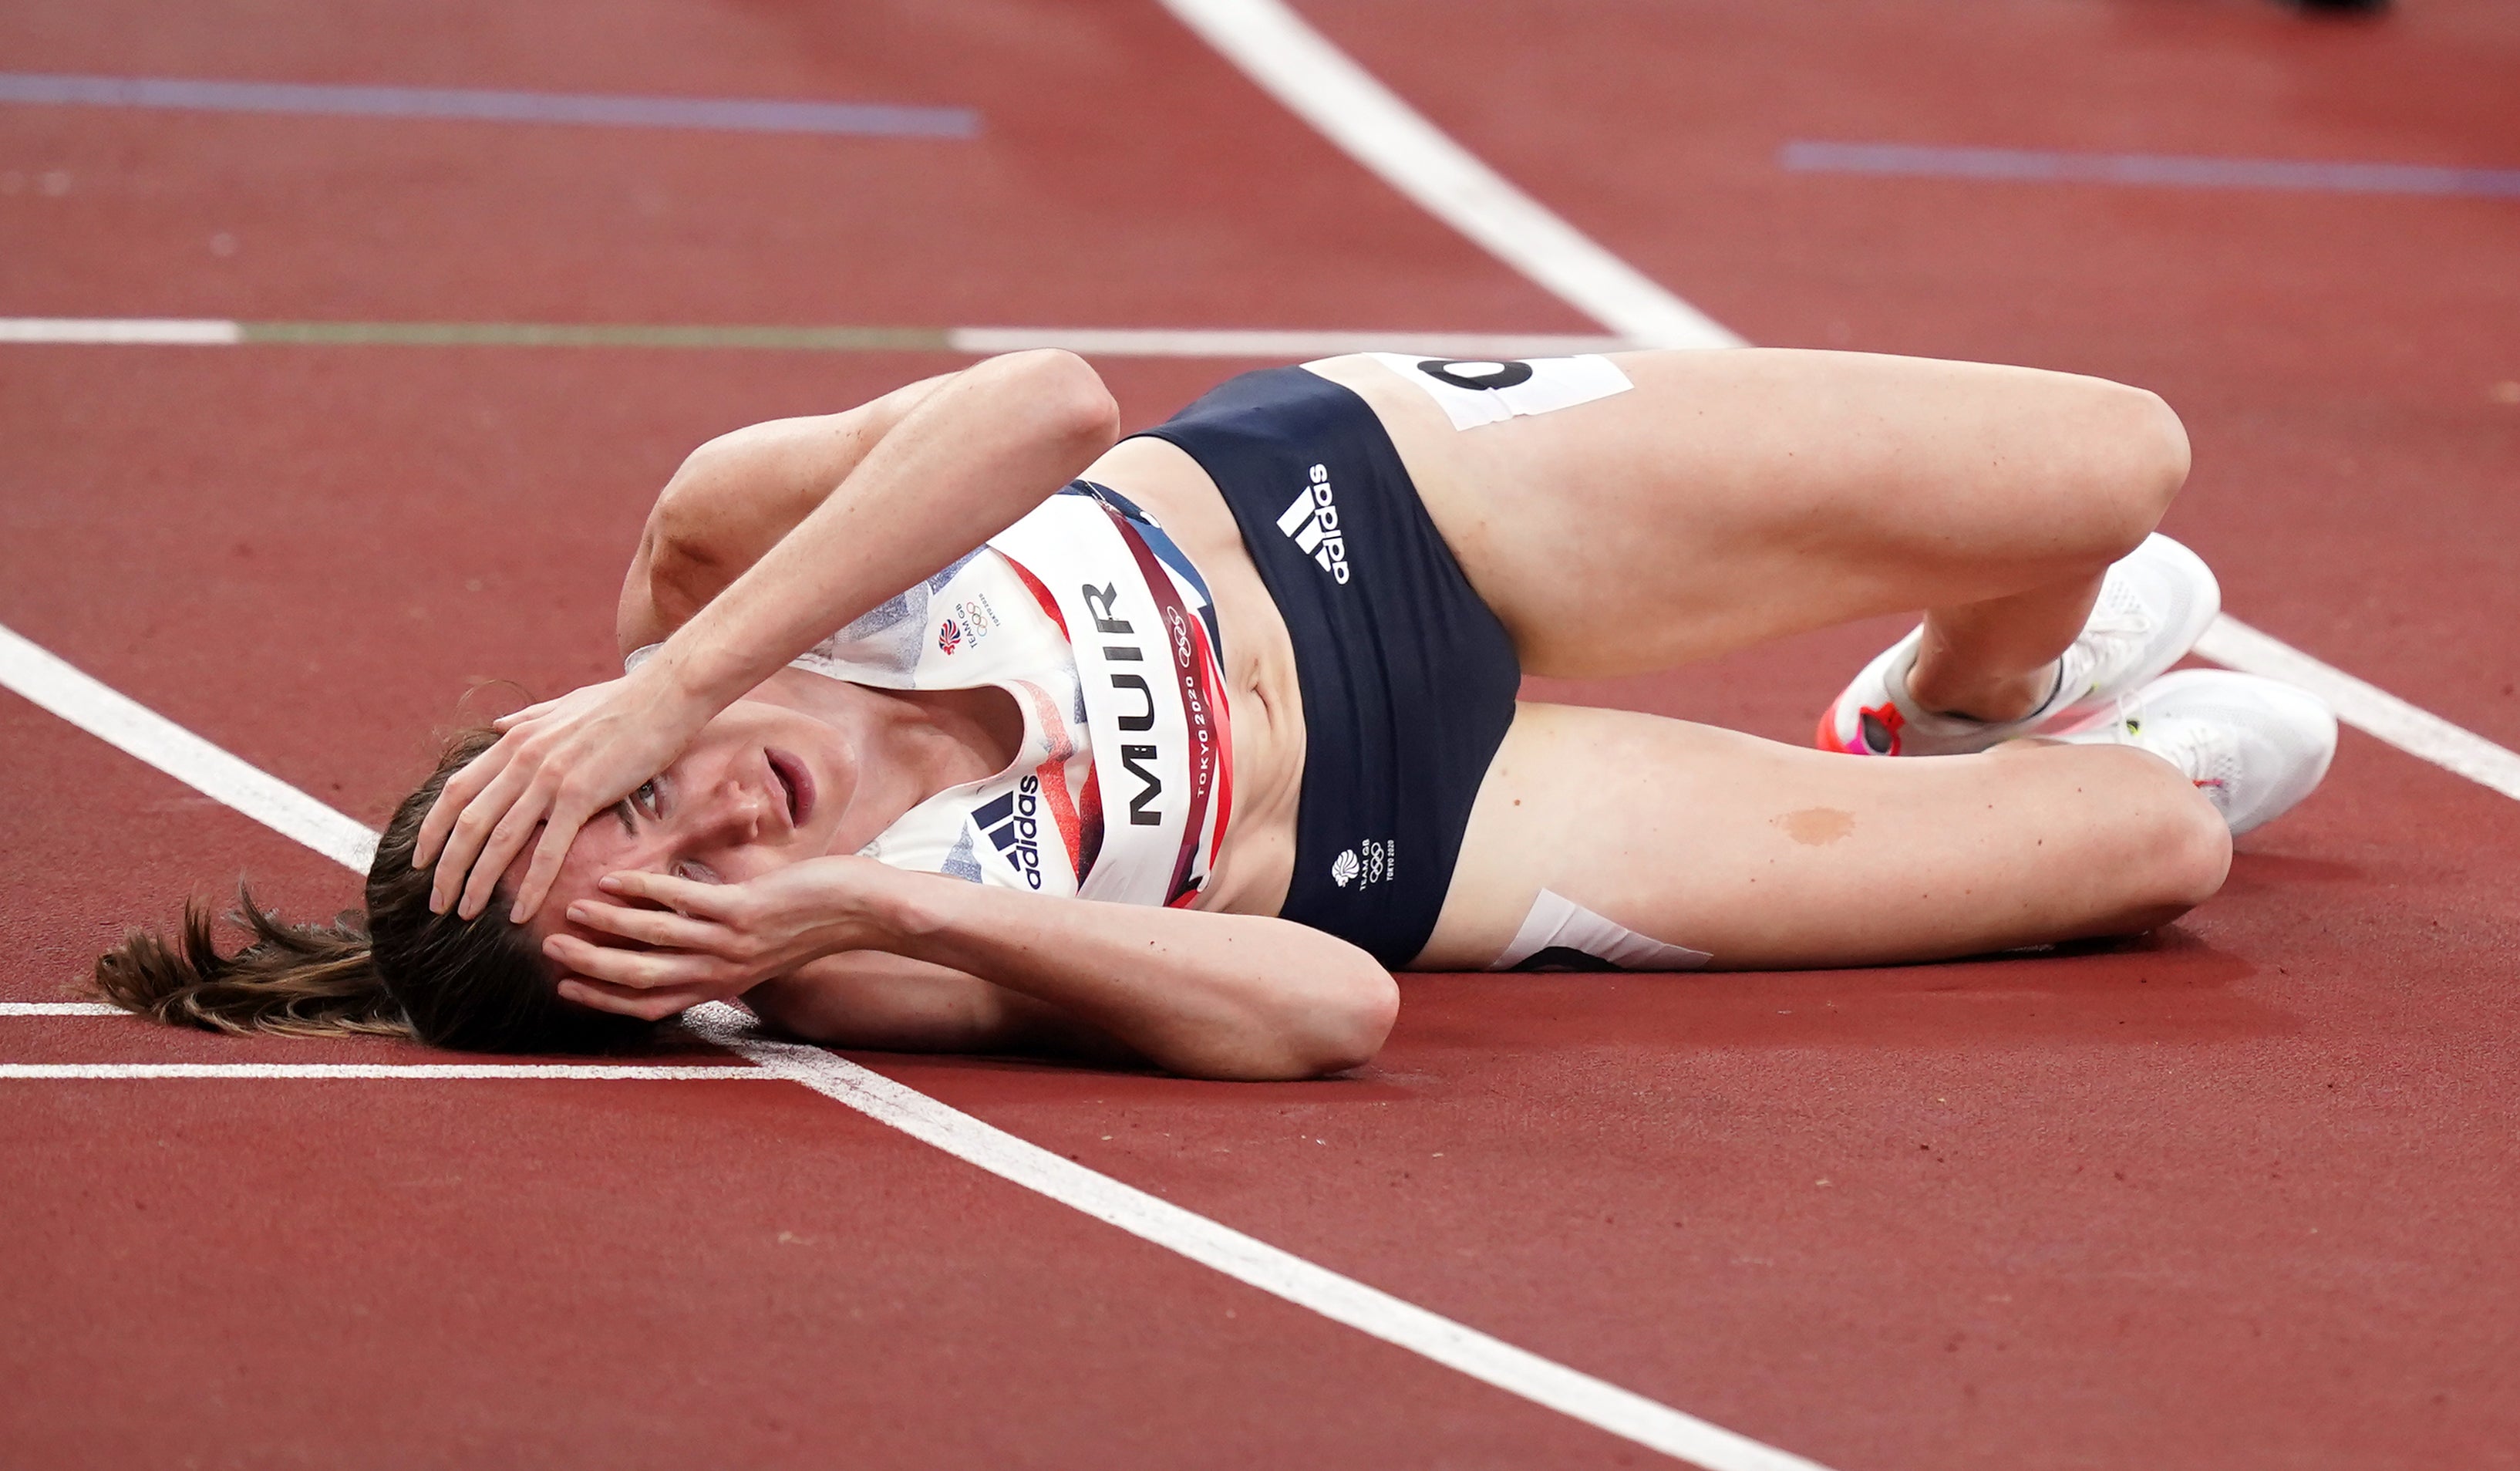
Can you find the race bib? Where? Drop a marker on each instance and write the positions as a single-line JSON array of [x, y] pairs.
[[1489, 390]]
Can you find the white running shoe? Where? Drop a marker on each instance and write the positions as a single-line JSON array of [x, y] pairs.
[[2253, 746], [2154, 604]]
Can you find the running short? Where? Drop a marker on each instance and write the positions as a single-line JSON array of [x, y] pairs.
[[1408, 678]]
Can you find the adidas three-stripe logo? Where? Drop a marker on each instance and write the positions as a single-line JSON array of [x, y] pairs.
[[1312, 521]]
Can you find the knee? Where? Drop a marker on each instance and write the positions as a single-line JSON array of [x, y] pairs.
[[2176, 851], [2157, 452], [2195, 851], [2137, 463]]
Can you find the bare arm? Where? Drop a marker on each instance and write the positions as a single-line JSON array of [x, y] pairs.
[[965, 462], [867, 999], [733, 500], [968, 459], [1209, 996]]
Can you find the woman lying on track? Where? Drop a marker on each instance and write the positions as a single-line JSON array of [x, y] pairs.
[[1219, 723]]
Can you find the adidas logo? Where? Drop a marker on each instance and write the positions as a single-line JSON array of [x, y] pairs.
[[1313, 521], [1012, 826]]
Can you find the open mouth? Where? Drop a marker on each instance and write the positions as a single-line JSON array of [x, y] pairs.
[[795, 783]]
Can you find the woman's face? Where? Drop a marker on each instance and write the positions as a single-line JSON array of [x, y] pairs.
[[761, 787]]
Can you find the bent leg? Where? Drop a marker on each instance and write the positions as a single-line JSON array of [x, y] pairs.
[[1771, 856], [1735, 497]]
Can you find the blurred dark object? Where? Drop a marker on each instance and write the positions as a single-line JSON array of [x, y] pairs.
[[2338, 6]]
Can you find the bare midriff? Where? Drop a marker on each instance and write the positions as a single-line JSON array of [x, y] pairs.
[[1265, 702]]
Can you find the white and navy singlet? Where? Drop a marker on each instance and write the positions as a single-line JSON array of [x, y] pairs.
[[1092, 618]]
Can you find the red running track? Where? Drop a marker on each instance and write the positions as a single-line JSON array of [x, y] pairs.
[[2234, 1197]]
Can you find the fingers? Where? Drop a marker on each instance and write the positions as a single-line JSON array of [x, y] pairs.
[[515, 719], [637, 970], [715, 901], [560, 830], [647, 1005], [453, 798], [529, 813], [555, 764], [661, 928], [475, 828]]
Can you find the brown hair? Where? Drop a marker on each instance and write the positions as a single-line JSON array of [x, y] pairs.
[[395, 969]]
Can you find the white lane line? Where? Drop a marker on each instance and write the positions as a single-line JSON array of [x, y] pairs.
[[1318, 83], [1280, 1273], [191, 332], [1347, 105], [591, 1071], [132, 727], [1274, 343], [2365, 707], [1279, 345], [59, 1009], [1621, 1413]]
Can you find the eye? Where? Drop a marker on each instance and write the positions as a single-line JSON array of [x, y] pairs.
[[697, 873], [646, 797]]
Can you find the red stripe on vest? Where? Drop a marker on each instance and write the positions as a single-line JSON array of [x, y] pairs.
[[1041, 595], [1183, 640]]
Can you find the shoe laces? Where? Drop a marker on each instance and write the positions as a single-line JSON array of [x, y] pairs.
[[2208, 752], [2120, 628]]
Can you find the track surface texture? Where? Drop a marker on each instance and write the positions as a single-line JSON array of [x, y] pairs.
[[2236, 1196]]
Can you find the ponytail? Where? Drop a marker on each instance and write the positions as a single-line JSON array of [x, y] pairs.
[[294, 979], [477, 984]]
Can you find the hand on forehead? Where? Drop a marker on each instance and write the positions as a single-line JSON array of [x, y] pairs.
[[600, 847]]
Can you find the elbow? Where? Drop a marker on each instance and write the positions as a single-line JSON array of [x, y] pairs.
[[1067, 397], [711, 470], [1342, 1025], [1340, 1032], [1354, 1031], [690, 510]]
